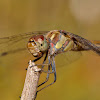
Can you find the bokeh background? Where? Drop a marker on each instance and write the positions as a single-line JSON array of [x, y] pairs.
[[79, 80]]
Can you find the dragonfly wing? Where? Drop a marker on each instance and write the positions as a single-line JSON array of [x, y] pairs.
[[4, 53], [18, 37], [68, 58], [96, 42], [16, 43]]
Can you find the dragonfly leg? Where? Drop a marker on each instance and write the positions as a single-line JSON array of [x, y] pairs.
[[53, 71], [49, 84], [45, 59], [43, 64], [34, 61], [46, 77], [41, 57], [48, 72], [37, 59]]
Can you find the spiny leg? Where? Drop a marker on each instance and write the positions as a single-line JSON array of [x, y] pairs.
[[48, 72], [43, 64], [37, 59], [54, 71], [45, 59]]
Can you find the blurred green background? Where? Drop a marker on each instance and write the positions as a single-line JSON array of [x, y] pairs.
[[79, 80]]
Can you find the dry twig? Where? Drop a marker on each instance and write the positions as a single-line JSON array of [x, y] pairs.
[[31, 82]]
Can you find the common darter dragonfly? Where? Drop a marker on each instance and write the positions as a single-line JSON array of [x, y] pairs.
[[50, 43]]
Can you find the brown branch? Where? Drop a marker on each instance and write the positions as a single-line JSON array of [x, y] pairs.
[[31, 82]]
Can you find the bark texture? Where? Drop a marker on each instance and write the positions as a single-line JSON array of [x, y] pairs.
[[31, 82]]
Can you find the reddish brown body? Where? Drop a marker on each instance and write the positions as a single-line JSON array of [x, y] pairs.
[[59, 41]]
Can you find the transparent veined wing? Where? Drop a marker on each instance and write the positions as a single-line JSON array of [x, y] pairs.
[[67, 58], [16, 43]]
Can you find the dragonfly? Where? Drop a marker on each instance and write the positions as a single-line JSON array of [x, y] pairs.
[[50, 43]]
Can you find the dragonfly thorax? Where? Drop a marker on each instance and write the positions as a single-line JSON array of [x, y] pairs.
[[59, 42], [37, 45]]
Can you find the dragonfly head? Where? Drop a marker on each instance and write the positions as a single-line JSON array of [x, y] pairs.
[[37, 45]]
